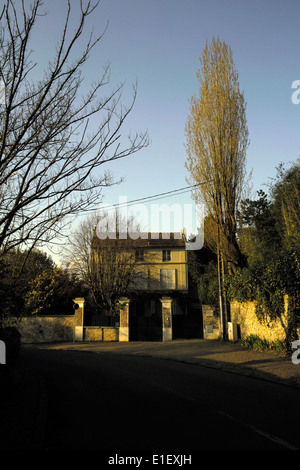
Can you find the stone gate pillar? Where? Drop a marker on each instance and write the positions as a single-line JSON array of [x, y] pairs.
[[79, 313], [166, 318], [124, 319]]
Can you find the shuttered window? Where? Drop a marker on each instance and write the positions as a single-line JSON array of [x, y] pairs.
[[168, 278]]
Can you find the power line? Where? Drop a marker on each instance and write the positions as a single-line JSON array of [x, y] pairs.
[[156, 196]]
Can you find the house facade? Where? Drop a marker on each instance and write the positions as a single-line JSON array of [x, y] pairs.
[[161, 264], [157, 293]]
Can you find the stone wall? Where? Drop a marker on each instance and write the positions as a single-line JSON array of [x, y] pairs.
[[46, 329], [100, 333], [211, 322], [58, 329], [244, 315]]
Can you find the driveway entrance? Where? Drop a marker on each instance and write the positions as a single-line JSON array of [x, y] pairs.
[[145, 324]]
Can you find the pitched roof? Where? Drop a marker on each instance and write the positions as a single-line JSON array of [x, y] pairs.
[[142, 239]]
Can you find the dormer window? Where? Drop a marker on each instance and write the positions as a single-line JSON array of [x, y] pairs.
[[166, 255]]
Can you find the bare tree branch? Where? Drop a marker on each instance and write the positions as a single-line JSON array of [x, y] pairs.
[[109, 267], [50, 151]]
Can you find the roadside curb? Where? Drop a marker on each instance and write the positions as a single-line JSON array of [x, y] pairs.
[[214, 364], [247, 371]]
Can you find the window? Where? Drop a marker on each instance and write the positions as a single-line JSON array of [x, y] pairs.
[[139, 255], [166, 255], [168, 278]]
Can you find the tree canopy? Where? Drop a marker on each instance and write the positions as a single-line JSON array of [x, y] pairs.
[[270, 238], [216, 143]]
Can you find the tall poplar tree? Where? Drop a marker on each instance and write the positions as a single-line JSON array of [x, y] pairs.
[[217, 139]]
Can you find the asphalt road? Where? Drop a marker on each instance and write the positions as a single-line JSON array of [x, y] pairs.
[[129, 404]]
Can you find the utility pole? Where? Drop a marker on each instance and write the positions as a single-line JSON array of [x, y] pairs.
[[222, 304]]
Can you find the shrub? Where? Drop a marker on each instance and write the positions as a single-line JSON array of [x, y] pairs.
[[278, 346], [255, 342], [261, 344]]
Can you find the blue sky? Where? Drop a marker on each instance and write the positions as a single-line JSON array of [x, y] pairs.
[[158, 43]]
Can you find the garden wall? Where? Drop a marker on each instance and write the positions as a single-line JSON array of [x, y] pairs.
[[54, 329], [46, 329], [100, 333], [244, 315], [211, 322]]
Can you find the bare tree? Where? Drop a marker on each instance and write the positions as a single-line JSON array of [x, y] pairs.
[[51, 150], [108, 266], [113, 272]]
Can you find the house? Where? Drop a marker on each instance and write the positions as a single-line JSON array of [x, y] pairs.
[[158, 269]]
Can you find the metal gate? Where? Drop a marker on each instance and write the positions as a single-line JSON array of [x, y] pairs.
[[145, 324], [143, 328], [187, 326], [99, 319]]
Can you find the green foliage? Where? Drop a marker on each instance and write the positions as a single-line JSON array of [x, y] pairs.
[[51, 293], [203, 272], [241, 285], [285, 194], [208, 285], [31, 284], [269, 235], [261, 286], [42, 293], [255, 342], [17, 269], [261, 344]]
